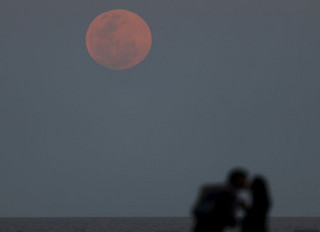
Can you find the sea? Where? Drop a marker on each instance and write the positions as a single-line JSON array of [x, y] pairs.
[[141, 224]]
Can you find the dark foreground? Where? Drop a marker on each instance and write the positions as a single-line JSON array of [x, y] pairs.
[[144, 224]]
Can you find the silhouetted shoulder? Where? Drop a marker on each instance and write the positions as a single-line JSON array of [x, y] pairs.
[[213, 187]]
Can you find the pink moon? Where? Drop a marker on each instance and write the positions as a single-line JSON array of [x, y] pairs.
[[118, 39]]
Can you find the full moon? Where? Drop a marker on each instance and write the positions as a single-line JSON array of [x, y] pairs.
[[118, 39]]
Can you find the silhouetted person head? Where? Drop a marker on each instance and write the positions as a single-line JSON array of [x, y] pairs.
[[260, 190], [237, 178]]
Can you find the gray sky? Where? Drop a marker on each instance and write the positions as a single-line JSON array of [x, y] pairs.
[[227, 83]]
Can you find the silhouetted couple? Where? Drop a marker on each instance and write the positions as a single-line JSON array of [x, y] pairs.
[[216, 206]]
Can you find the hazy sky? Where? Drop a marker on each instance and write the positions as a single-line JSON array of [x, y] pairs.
[[227, 83]]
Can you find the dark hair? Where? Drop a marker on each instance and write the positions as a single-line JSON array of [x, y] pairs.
[[259, 186], [236, 174], [260, 193]]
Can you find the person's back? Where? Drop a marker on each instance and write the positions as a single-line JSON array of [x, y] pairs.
[[215, 208]]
